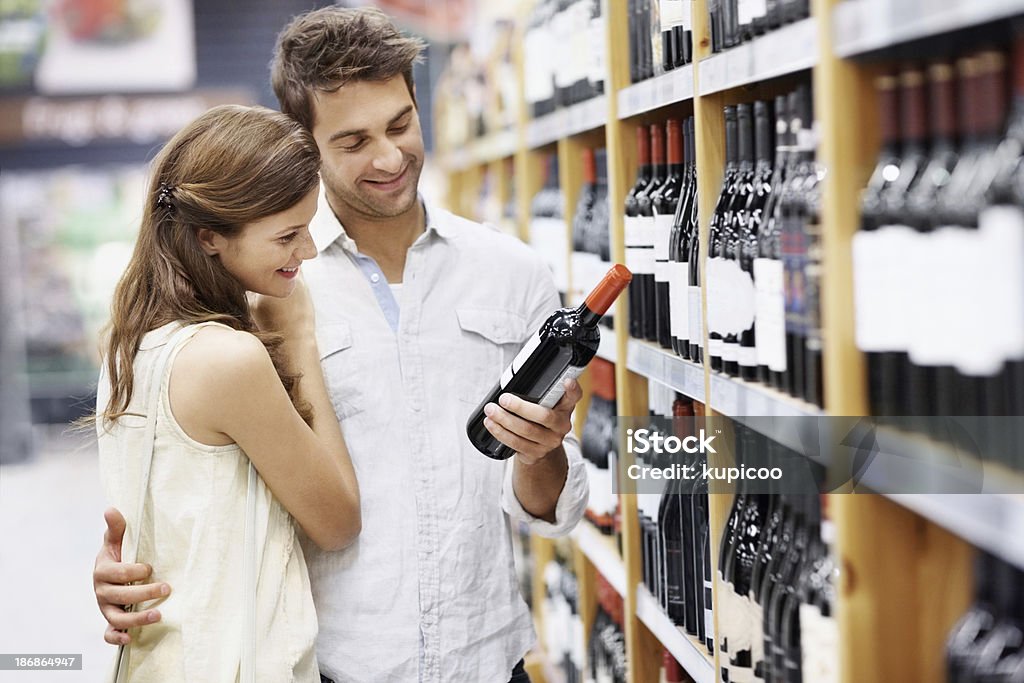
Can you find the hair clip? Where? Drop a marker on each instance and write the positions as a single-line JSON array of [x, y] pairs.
[[165, 197]]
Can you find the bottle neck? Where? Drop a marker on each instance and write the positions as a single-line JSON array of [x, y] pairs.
[[746, 137]]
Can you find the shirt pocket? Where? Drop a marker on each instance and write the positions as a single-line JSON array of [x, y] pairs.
[[341, 368], [490, 339]]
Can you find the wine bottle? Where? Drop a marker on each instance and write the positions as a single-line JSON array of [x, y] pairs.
[[974, 626], [696, 308], [875, 265], [597, 443], [679, 252], [730, 24], [645, 253], [1006, 638], [670, 13], [674, 529], [730, 620], [769, 276], [665, 203], [717, 236], [700, 561], [560, 350], [783, 592], [739, 302], [922, 199], [634, 228], [715, 24], [818, 597], [584, 250], [684, 34]]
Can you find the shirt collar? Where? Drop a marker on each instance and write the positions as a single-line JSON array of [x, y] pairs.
[[326, 229]]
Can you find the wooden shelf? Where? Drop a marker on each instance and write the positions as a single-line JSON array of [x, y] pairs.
[[567, 122], [653, 362], [777, 53], [482, 151], [687, 651], [661, 91], [861, 26], [602, 553]]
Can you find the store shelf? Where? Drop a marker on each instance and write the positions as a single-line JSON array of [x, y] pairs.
[[777, 53], [609, 349], [602, 553], [861, 26], [743, 401], [655, 363], [661, 91], [687, 651], [563, 123], [482, 151]]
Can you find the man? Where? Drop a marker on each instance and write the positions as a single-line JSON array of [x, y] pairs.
[[418, 311]]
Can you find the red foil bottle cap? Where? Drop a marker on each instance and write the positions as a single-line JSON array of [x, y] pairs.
[[608, 289]]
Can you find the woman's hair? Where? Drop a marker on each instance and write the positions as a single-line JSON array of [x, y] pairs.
[[231, 166]]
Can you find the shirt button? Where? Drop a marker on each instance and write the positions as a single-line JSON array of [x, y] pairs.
[[375, 278]]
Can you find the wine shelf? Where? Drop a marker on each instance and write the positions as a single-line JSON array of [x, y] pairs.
[[564, 123], [482, 151], [691, 655], [655, 363], [661, 91], [602, 553], [861, 26], [778, 53]]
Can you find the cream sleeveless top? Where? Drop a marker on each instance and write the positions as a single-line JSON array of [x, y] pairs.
[[192, 532]]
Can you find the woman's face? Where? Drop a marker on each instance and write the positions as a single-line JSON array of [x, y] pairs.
[[265, 255]]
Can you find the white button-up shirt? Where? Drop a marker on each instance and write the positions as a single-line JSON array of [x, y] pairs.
[[428, 592]]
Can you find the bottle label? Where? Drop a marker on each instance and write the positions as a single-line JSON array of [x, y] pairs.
[[596, 49], [944, 261], [730, 352], [771, 314], [662, 236], [1002, 292], [744, 10], [671, 14], [579, 57], [696, 316], [758, 8], [517, 363], [882, 286], [633, 231], [747, 357], [820, 645], [731, 297], [557, 390], [679, 299], [715, 347]]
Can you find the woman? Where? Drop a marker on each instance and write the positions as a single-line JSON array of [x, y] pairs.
[[226, 213]]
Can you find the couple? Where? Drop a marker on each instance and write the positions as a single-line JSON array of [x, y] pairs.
[[407, 315]]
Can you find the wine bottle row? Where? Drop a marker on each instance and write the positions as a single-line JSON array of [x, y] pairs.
[[606, 648], [764, 252], [674, 530], [563, 626], [734, 22], [661, 240], [987, 644], [777, 577], [591, 234], [547, 225], [660, 37], [563, 54], [939, 258], [600, 450]]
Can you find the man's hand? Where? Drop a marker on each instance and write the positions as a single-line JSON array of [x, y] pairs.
[[532, 430], [110, 582], [290, 316]]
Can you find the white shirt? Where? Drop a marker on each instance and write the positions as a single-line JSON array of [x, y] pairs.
[[428, 592]]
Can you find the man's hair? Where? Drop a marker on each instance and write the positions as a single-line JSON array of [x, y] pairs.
[[326, 48]]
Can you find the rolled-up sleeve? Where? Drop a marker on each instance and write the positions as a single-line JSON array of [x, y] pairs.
[[572, 502]]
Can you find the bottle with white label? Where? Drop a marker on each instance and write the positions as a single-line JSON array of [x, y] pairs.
[[665, 203], [647, 230], [679, 251], [633, 228], [560, 350], [717, 236]]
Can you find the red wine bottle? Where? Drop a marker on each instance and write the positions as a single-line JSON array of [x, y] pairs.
[[634, 228], [645, 253], [666, 201], [679, 271], [696, 310], [560, 350], [740, 296], [717, 235]]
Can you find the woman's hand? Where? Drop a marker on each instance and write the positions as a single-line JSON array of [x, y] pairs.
[[290, 316]]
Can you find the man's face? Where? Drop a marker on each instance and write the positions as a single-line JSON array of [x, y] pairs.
[[371, 147]]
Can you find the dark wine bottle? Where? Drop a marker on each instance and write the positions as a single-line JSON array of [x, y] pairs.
[[1006, 639], [730, 24], [560, 350], [770, 314], [696, 308], [645, 252], [716, 25], [678, 267], [634, 228], [665, 203], [973, 627], [739, 296], [727, 603], [818, 587], [717, 236]]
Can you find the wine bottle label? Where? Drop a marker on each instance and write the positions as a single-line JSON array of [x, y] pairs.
[[687, 15], [1002, 292], [819, 636], [596, 49], [648, 232], [758, 8], [730, 352], [744, 10], [696, 315], [731, 297], [942, 330], [882, 287], [662, 236], [679, 300], [578, 45], [562, 47], [771, 314], [557, 390], [740, 674], [671, 14], [747, 357]]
